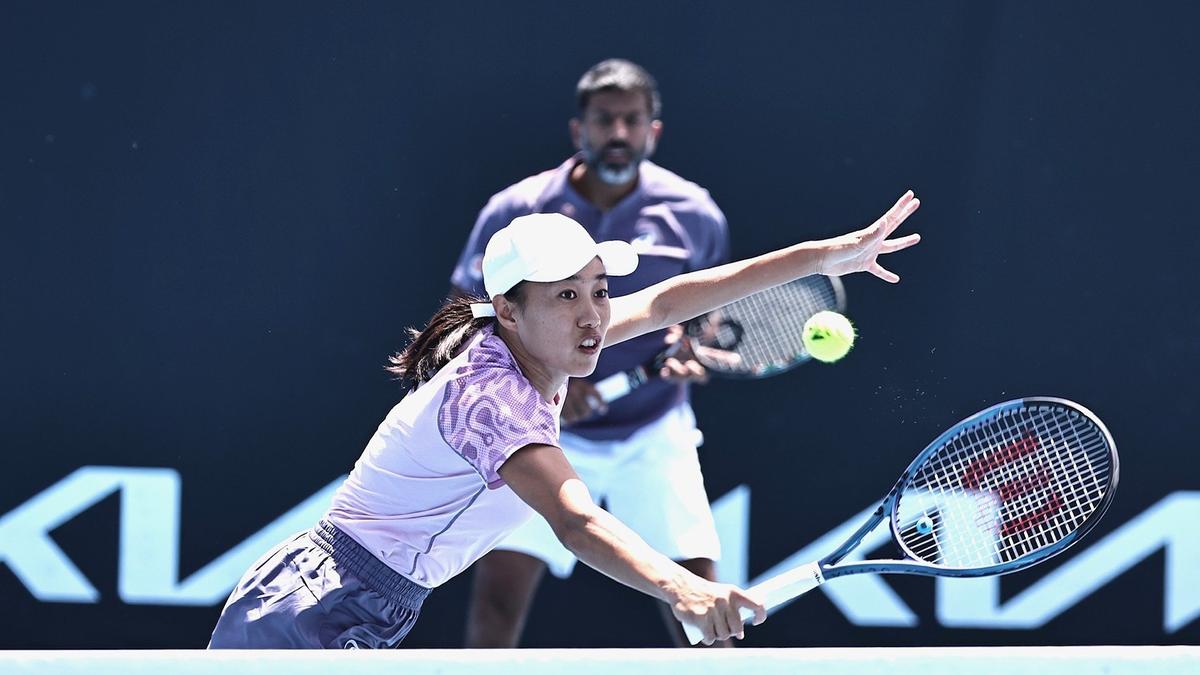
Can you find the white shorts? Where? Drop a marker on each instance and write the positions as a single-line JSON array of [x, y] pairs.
[[650, 481]]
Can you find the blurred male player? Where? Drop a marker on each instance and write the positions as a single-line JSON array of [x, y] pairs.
[[637, 453]]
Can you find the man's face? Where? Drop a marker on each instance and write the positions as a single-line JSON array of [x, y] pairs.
[[615, 133]]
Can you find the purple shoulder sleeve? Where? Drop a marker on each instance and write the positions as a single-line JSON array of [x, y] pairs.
[[489, 411]]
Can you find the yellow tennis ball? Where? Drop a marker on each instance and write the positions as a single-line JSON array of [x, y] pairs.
[[828, 336]]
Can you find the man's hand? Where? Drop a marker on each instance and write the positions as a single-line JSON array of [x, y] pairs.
[[582, 402], [682, 364]]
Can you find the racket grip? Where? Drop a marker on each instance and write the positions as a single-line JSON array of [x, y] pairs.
[[614, 387], [775, 591], [617, 385]]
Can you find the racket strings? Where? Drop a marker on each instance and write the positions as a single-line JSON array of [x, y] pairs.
[[1064, 511], [771, 326], [1023, 508], [1006, 488], [1059, 511]]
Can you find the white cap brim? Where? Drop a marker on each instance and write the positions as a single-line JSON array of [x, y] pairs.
[[618, 257]]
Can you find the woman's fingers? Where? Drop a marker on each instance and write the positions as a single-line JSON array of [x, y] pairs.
[[899, 213], [711, 631], [736, 625], [883, 273], [904, 199], [858, 251], [728, 622], [893, 245], [893, 213]]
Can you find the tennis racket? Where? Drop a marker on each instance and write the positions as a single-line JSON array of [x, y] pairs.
[[1001, 490], [757, 336]]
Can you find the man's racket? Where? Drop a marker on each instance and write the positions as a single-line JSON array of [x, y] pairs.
[[757, 336], [1001, 490]]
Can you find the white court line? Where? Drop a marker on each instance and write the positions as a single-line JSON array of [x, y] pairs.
[[1141, 660]]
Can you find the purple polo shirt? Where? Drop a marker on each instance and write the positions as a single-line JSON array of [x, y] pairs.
[[675, 227]]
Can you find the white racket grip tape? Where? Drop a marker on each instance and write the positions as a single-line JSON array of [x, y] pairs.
[[774, 592], [613, 387]]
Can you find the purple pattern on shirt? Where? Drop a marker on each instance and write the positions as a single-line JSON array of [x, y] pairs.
[[490, 410]]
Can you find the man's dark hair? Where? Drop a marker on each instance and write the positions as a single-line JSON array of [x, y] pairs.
[[618, 75]]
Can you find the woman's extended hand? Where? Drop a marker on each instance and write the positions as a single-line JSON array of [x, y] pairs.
[[859, 251]]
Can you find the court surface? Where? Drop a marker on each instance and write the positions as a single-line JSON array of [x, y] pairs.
[[1140, 660]]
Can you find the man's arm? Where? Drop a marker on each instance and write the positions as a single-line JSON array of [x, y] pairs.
[[710, 229]]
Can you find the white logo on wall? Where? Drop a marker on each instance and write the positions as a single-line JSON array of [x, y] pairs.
[[646, 235], [148, 564]]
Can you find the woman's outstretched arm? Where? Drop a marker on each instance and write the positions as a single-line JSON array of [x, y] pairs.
[[542, 477], [688, 295]]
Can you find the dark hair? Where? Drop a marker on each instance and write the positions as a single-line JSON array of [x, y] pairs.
[[432, 347], [618, 75]]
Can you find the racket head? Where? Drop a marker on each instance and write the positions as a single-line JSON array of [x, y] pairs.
[[1006, 488], [761, 334]]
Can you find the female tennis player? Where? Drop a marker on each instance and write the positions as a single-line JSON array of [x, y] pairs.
[[471, 451]]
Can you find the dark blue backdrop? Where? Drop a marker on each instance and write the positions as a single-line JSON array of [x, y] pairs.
[[217, 219]]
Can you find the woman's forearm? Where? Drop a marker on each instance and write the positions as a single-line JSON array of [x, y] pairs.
[[680, 298], [541, 476], [683, 297], [610, 547]]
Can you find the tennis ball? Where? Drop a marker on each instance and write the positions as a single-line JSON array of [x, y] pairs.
[[828, 336]]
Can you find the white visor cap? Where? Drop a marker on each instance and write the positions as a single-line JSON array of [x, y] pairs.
[[545, 247]]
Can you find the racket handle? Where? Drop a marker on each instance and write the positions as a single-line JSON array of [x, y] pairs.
[[617, 385], [775, 591]]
